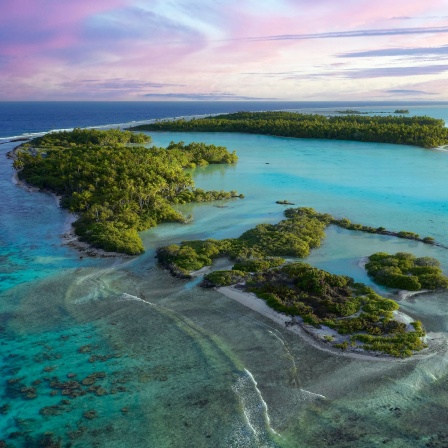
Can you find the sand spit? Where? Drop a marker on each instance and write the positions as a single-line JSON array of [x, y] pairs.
[[404, 295], [317, 337]]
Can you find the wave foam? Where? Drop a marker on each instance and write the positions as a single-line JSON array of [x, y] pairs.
[[255, 409]]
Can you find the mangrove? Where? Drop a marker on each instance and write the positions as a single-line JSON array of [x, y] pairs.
[[302, 230], [298, 289], [405, 271], [334, 301]]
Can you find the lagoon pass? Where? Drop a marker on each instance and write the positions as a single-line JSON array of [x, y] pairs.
[[118, 353]]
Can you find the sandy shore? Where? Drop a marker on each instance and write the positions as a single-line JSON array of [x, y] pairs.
[[312, 335]]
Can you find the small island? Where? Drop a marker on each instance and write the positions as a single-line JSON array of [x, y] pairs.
[[284, 202], [116, 186], [351, 112], [422, 131], [405, 271], [401, 111], [362, 319]]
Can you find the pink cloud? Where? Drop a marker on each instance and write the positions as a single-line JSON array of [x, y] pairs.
[[36, 25], [49, 47]]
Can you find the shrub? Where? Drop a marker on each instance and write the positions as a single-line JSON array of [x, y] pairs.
[[405, 271]]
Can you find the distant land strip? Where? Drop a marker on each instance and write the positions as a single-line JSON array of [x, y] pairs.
[[422, 131]]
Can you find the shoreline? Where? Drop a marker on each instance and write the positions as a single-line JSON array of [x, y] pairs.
[[312, 335], [68, 237]]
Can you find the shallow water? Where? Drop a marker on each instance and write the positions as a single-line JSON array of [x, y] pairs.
[[186, 367]]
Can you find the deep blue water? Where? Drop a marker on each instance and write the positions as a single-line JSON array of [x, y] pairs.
[[18, 118]]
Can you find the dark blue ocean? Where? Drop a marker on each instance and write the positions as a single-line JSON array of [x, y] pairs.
[[116, 353], [19, 118]]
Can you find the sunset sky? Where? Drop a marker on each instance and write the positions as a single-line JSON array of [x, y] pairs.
[[224, 49]]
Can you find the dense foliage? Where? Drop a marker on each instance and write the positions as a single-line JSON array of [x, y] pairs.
[[405, 271], [419, 131], [224, 278], [321, 298], [298, 289], [347, 224], [116, 187], [294, 237]]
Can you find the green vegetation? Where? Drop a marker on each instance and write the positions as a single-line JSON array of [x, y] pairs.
[[405, 271], [298, 289], [351, 112], [116, 187], [418, 131], [401, 111], [224, 278], [336, 301], [347, 224], [294, 237], [259, 265]]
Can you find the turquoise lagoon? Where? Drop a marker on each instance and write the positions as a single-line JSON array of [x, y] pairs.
[[178, 366]]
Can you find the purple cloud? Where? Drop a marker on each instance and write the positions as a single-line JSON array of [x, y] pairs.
[[410, 92], [382, 72], [422, 51], [355, 33]]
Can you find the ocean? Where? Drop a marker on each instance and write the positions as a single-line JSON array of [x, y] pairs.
[[117, 353]]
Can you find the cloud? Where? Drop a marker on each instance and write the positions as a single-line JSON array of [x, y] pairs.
[[126, 49], [347, 34], [422, 51], [212, 96], [382, 72], [377, 72], [136, 24], [410, 92], [124, 84], [107, 88]]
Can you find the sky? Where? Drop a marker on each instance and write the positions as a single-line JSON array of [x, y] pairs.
[[300, 50]]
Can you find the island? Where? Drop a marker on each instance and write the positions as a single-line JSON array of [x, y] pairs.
[[114, 185], [351, 112], [401, 111], [318, 298], [421, 131], [359, 318], [118, 187], [405, 271]]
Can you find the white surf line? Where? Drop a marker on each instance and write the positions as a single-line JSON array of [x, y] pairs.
[[247, 418], [125, 296], [265, 405], [313, 394]]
